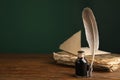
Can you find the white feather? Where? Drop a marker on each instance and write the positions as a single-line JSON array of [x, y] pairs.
[[91, 31]]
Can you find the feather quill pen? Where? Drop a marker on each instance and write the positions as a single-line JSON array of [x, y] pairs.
[[91, 32]]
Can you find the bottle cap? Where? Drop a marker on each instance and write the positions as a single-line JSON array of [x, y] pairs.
[[80, 51], [80, 54]]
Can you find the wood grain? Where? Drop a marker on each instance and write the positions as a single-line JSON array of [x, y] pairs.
[[42, 67]]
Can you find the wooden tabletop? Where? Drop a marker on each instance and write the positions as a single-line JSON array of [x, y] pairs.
[[42, 67]]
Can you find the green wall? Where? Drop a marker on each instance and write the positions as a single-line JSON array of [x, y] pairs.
[[40, 26], [108, 19]]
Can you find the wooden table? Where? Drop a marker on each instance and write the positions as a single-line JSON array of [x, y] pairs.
[[42, 67]]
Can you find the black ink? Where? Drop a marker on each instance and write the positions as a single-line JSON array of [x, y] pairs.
[[81, 66]]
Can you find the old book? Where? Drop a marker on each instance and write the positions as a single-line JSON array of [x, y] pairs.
[[104, 61]]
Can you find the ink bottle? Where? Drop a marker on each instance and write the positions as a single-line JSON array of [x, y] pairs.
[[81, 65]]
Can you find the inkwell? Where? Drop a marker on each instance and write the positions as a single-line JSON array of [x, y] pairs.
[[81, 65]]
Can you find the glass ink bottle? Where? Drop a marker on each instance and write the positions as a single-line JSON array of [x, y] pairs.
[[81, 65]]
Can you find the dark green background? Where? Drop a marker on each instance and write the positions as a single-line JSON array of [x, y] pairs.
[[40, 26]]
